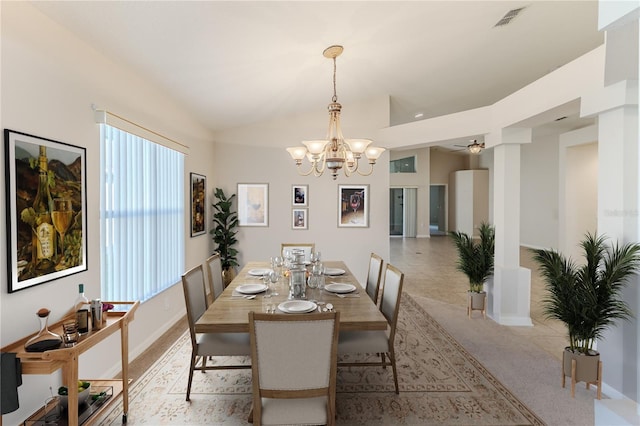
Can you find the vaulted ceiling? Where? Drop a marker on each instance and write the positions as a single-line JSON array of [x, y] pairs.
[[232, 63]]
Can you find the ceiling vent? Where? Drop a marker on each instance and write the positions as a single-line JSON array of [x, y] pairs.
[[508, 17]]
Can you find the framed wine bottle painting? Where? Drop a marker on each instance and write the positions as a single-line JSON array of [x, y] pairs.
[[353, 206], [46, 209]]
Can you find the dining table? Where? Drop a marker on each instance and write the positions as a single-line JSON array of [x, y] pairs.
[[229, 313]]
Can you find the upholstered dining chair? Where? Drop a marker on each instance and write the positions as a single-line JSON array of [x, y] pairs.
[[214, 274], [373, 277], [307, 247], [293, 360], [377, 341], [204, 345]]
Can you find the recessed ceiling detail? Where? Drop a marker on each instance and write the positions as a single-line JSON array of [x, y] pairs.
[[508, 17]]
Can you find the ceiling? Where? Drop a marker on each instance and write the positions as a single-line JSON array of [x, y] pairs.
[[235, 63]]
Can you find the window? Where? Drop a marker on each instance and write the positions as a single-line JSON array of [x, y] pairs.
[[403, 165], [141, 216]]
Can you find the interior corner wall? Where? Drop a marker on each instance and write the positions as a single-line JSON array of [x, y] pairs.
[[49, 80]]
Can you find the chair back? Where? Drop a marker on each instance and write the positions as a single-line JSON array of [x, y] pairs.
[[214, 272], [195, 297], [294, 356], [308, 248], [373, 277], [390, 302]]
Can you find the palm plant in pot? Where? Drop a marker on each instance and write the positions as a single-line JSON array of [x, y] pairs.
[[588, 299], [476, 260], [224, 233]]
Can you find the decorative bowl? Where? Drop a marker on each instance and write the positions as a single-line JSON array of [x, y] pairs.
[[82, 397]]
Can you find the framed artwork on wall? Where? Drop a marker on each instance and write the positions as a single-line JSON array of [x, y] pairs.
[[253, 204], [198, 203], [300, 218], [300, 195], [46, 203], [353, 206]]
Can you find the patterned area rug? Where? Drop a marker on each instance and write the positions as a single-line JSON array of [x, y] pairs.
[[440, 383]]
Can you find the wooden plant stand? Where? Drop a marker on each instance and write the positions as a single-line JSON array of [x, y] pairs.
[[574, 368], [470, 304]]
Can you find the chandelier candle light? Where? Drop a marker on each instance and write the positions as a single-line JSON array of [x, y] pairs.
[[335, 152]]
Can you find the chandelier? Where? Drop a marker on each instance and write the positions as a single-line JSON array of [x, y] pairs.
[[335, 152]]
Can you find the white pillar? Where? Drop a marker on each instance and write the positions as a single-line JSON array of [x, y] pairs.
[[616, 106], [509, 292]]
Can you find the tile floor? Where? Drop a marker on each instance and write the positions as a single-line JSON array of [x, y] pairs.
[[429, 267]]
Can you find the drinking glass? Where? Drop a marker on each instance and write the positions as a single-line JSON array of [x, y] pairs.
[[274, 277], [315, 257], [267, 304]]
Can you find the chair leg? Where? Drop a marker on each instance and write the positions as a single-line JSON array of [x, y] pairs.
[[392, 358], [192, 366], [382, 357], [204, 364]]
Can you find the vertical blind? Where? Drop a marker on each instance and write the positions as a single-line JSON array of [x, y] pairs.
[[141, 216]]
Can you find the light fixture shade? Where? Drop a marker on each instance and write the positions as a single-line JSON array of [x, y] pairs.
[[475, 149], [316, 147], [358, 146], [374, 152], [297, 152]]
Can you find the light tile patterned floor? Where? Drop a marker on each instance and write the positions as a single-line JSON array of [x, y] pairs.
[[429, 267]]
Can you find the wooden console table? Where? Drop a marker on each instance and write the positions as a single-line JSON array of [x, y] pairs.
[[67, 358]]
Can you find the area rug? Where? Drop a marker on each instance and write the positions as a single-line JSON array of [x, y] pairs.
[[440, 384]]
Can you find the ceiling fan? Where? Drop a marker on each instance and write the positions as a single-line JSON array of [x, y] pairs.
[[474, 147]]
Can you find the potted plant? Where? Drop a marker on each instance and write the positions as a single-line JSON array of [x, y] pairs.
[[475, 260], [587, 298], [224, 234]]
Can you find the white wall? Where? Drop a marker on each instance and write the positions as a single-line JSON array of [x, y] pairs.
[[539, 181], [251, 164], [49, 81]]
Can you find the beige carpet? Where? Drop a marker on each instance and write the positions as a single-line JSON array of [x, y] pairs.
[[440, 383]]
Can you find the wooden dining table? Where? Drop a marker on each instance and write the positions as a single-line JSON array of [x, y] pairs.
[[230, 311]]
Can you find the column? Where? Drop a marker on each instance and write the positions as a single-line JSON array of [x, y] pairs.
[[509, 292]]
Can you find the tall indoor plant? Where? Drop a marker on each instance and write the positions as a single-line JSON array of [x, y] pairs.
[[476, 260], [224, 233], [587, 298]]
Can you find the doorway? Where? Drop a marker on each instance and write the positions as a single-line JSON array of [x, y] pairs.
[[403, 212], [438, 210]]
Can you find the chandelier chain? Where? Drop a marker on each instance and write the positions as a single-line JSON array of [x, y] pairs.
[[335, 96]]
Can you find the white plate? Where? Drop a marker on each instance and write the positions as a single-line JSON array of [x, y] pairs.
[[297, 306], [258, 272], [251, 288], [334, 271], [340, 288]]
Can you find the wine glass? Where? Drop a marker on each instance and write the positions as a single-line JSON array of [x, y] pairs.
[[354, 201], [273, 279], [61, 216], [315, 257]]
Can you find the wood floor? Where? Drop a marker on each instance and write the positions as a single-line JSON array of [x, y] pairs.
[[429, 267]]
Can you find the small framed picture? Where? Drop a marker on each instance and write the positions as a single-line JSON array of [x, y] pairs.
[[253, 204], [299, 195], [353, 206], [299, 219], [198, 202]]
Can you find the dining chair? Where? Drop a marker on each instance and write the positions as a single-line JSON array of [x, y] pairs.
[[214, 275], [307, 247], [378, 342], [204, 345], [373, 277], [293, 360]]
